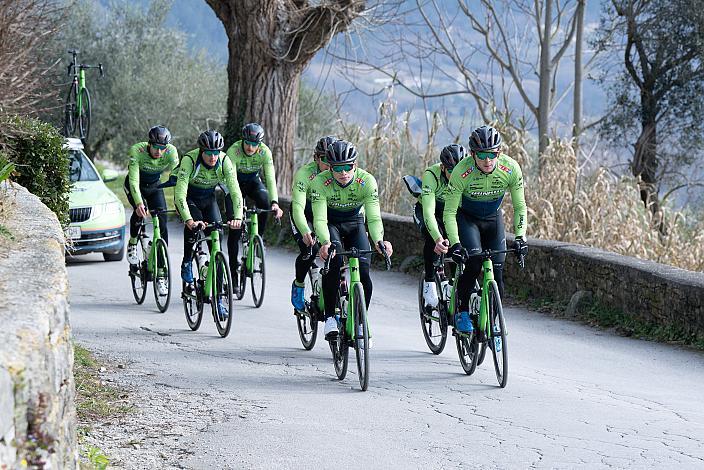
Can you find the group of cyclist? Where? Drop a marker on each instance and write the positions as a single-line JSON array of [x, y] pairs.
[[332, 200]]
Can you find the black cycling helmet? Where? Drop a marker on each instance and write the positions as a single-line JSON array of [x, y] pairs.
[[211, 140], [323, 144], [340, 151], [253, 132], [485, 139], [451, 155], [159, 135]]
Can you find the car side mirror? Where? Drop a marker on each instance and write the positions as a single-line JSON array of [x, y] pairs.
[[109, 175]]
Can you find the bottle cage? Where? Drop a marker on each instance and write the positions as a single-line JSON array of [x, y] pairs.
[[414, 185]]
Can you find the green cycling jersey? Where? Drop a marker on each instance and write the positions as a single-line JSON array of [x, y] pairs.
[[196, 180], [480, 194], [330, 200], [435, 188], [249, 166], [145, 169], [299, 195]]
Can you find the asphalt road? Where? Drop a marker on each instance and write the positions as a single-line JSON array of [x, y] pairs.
[[576, 397]]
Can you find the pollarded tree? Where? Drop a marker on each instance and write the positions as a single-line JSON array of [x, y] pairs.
[[270, 44]]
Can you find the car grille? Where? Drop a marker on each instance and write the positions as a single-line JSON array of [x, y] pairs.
[[80, 214]]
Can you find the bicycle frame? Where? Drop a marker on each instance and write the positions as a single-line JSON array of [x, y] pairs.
[[214, 249], [355, 282], [253, 231]]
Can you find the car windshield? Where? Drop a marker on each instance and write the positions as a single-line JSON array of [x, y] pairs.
[[80, 168]]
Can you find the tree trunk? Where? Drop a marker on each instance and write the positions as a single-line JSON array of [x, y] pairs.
[[645, 162], [261, 90], [545, 78], [577, 109]]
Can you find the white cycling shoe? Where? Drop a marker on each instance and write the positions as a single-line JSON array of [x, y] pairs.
[[330, 328], [132, 253], [430, 294]]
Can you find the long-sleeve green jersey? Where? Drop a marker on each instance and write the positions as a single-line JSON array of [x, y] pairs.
[[330, 200], [144, 169], [299, 195], [249, 166], [194, 179], [480, 194], [435, 188]]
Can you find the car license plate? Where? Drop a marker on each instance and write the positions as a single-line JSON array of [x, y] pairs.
[[73, 233]]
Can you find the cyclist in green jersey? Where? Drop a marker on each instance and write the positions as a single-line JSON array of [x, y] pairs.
[[148, 160], [252, 157], [428, 215], [338, 196], [472, 214], [201, 170], [301, 216]]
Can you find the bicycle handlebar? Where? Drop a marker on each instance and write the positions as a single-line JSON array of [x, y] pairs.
[[486, 254], [355, 253], [256, 210]]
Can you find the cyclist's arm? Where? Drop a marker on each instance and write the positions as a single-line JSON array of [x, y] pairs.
[[372, 211], [133, 175], [228, 169], [518, 198], [173, 159], [183, 177], [427, 201], [269, 175], [453, 198], [320, 215], [299, 192]]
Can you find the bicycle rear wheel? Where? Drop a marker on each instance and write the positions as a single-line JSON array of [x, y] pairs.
[[70, 110], [361, 337], [84, 116], [307, 320], [258, 271], [433, 322], [192, 295], [339, 346], [497, 341], [162, 275], [138, 276], [222, 294]]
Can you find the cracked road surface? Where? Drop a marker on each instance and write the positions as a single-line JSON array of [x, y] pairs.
[[576, 396]]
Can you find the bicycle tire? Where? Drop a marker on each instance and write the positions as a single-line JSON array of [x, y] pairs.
[[307, 320], [467, 350], [428, 321], [340, 346], [84, 115], [222, 289], [361, 337], [258, 281], [193, 300], [70, 110], [242, 270], [162, 272], [138, 276], [497, 341]]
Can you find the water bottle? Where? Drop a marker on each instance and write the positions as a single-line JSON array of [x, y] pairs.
[[446, 290], [315, 279], [474, 301], [203, 262]]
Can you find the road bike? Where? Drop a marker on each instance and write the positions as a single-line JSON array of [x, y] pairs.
[[153, 265], [434, 320], [251, 249], [353, 327], [313, 312], [487, 311], [212, 283], [77, 109]]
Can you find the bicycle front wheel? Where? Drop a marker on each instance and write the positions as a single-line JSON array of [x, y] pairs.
[[258, 271], [192, 295], [307, 320], [84, 115], [70, 110], [162, 276], [339, 346], [432, 322], [468, 351], [138, 277], [497, 340], [361, 337], [221, 300]]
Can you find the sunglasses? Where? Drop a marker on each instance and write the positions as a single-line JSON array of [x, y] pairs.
[[251, 144], [485, 155], [158, 146], [341, 168], [211, 152]]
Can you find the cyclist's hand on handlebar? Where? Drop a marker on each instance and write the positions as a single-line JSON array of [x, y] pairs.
[[441, 246], [141, 210], [325, 250], [279, 213], [457, 253], [520, 246], [235, 224], [194, 225], [308, 239], [387, 246]]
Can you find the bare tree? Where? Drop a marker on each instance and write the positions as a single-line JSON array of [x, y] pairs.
[[578, 73], [270, 44]]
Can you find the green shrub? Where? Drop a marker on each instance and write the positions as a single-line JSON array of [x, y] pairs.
[[41, 163]]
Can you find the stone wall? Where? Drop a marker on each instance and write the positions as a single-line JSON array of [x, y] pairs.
[[37, 411], [648, 291]]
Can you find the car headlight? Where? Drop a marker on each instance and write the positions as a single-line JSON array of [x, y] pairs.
[[107, 208]]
